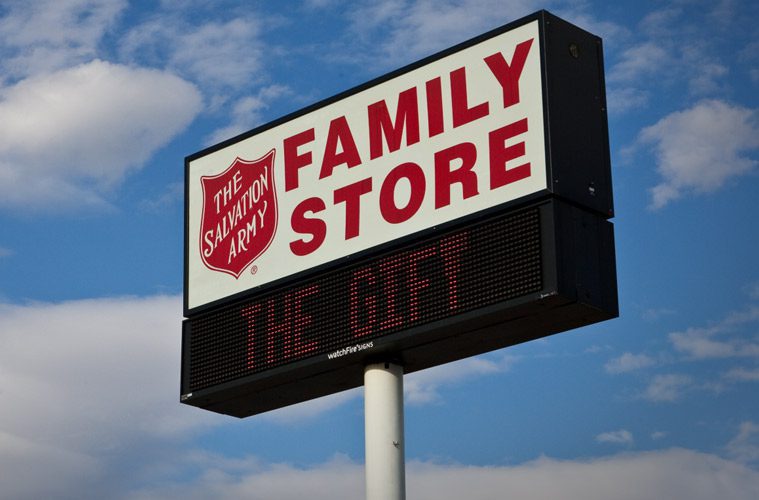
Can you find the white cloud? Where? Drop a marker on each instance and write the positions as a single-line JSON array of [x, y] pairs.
[[248, 112], [699, 343], [5, 252], [616, 437], [657, 62], [744, 447], [719, 340], [724, 12], [89, 390], [173, 195], [49, 35], [707, 79], [68, 137], [595, 349], [628, 362], [659, 23], [423, 387], [638, 62], [622, 100], [642, 476], [611, 33], [406, 30], [657, 435], [737, 318], [71, 125], [699, 149], [667, 387], [743, 375], [22, 460], [220, 53], [309, 410], [224, 58], [656, 313], [216, 55], [319, 4]]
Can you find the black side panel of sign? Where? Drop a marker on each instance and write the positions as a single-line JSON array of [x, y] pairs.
[[577, 129], [585, 247]]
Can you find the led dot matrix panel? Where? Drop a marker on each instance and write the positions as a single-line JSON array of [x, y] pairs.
[[443, 298]]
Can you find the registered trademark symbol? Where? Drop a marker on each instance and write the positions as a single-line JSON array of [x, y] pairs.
[[253, 269]]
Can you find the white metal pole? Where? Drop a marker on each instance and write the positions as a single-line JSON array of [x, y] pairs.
[[383, 420]]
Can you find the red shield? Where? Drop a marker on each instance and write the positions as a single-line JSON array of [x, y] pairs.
[[239, 214]]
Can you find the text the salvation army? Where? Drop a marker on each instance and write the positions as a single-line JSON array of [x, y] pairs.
[[236, 207]]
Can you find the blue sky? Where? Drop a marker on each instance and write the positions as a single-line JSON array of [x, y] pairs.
[[101, 100]]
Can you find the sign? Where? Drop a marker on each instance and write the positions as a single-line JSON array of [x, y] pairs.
[[232, 238], [422, 216]]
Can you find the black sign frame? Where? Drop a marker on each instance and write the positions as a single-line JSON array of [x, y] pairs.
[[578, 277]]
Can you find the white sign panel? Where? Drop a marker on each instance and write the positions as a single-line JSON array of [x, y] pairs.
[[451, 138]]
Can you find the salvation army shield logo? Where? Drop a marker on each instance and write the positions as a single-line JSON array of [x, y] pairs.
[[239, 214]]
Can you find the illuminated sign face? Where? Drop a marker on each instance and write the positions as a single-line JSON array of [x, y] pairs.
[[411, 217], [448, 139]]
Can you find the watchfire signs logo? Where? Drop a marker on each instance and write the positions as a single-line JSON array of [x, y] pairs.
[[239, 214]]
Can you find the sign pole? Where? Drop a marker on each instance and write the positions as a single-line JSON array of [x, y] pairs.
[[383, 420]]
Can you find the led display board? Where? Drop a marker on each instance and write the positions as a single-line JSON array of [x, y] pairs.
[[452, 207]]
